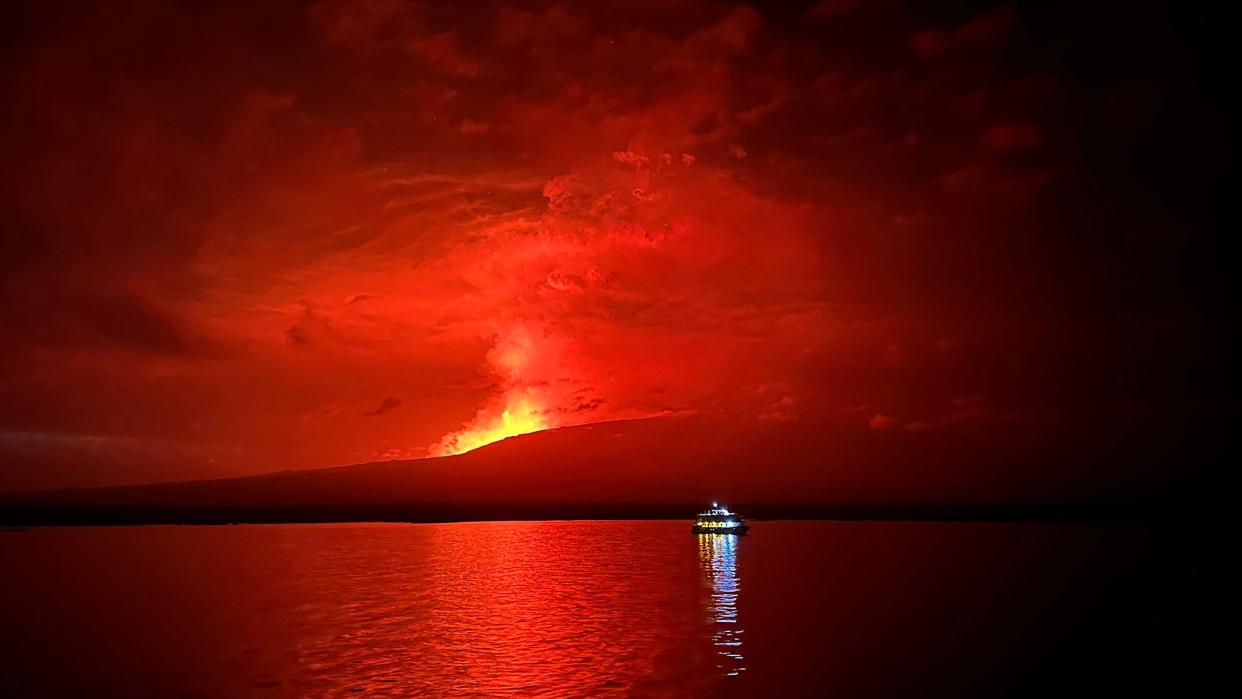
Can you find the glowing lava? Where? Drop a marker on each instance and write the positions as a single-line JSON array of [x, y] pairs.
[[523, 406], [521, 415]]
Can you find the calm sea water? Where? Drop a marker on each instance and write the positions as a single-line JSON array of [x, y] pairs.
[[598, 609]]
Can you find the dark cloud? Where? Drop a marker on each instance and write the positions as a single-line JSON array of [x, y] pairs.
[[69, 316], [1007, 137], [830, 8], [388, 405]]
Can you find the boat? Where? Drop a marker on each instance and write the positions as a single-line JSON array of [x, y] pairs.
[[719, 520]]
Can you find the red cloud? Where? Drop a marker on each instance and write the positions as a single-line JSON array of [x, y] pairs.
[[570, 213], [880, 421], [1007, 137]]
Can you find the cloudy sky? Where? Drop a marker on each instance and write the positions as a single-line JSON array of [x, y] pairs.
[[257, 236]]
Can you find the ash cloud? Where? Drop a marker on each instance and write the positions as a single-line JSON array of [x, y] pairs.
[[677, 206]]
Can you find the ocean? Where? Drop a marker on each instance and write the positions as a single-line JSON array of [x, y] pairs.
[[610, 609]]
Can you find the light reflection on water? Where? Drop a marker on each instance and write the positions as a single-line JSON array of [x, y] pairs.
[[518, 609], [590, 609], [718, 559]]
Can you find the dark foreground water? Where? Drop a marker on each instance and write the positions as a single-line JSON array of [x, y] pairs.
[[595, 609]]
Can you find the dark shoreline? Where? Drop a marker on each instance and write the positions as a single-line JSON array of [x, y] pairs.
[[30, 515]]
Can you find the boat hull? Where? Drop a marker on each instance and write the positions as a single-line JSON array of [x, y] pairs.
[[736, 531]]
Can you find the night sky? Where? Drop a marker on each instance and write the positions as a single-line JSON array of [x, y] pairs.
[[261, 235]]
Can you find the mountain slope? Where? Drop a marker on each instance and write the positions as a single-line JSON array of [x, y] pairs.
[[653, 467]]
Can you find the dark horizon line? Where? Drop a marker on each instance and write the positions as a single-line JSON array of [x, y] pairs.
[[102, 515]]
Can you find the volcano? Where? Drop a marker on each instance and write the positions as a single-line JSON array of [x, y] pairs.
[[660, 467]]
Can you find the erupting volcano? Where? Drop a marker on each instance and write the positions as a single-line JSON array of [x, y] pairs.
[[522, 406], [482, 301], [386, 230]]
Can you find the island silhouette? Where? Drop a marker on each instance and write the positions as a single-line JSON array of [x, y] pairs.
[[651, 468]]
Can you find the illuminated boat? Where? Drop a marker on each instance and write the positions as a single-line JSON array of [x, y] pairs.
[[719, 520]]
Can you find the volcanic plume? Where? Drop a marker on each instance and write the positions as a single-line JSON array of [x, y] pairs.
[[253, 236], [610, 305]]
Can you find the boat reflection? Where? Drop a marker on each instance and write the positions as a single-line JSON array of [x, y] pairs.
[[718, 560]]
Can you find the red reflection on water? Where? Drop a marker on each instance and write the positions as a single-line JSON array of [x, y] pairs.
[[553, 609], [600, 609]]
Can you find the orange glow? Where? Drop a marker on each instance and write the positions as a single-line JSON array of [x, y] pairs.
[[416, 232], [523, 405], [521, 416]]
